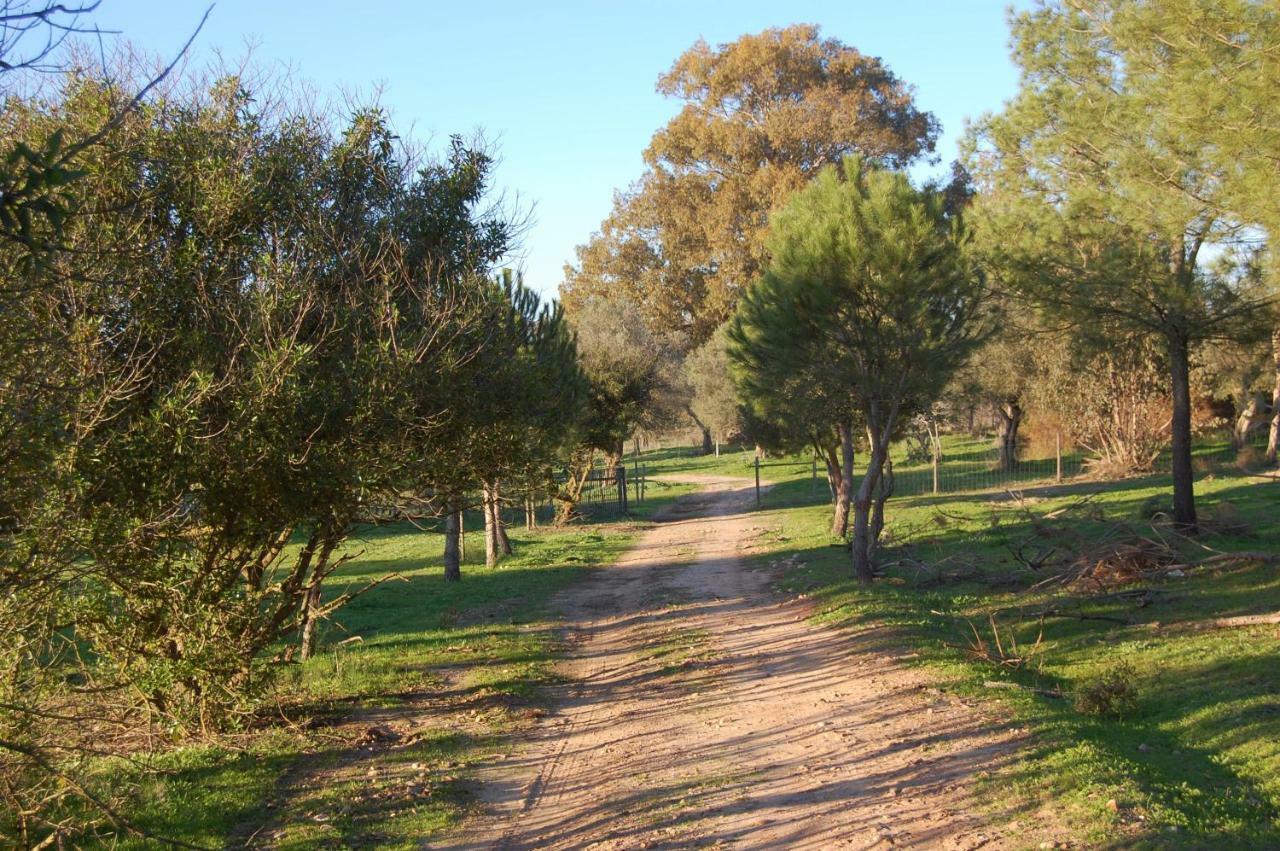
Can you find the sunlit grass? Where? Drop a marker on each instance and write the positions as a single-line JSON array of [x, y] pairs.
[[1198, 763], [490, 636]]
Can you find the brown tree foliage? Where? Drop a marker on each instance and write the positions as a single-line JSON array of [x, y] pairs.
[[761, 116]]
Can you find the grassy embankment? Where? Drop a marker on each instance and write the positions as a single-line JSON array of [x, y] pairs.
[[1194, 761], [466, 662]]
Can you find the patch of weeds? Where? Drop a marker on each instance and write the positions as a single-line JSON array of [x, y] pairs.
[[679, 649], [1111, 693]]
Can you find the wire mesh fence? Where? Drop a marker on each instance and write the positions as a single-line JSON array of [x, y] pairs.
[[974, 464], [609, 491]]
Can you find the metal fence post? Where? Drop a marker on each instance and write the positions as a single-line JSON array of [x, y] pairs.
[[621, 478], [757, 481], [1057, 451]]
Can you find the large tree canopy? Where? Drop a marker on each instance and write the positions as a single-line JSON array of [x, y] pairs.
[[868, 279], [761, 116], [1100, 192]]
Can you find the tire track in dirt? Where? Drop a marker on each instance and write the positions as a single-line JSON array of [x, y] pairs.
[[702, 710]]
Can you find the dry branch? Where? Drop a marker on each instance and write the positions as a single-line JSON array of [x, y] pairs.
[[1238, 621], [1043, 692]]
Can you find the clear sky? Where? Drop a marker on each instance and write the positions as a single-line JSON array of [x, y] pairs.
[[567, 88]]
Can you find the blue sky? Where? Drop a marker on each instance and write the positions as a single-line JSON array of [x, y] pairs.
[[566, 89]]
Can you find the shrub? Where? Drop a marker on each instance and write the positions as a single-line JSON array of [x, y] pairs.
[[1111, 693]]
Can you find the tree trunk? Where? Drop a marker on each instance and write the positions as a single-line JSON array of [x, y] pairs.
[[1184, 499], [1010, 419], [1273, 440], [504, 543], [1251, 417], [452, 564], [832, 462], [579, 468], [883, 491], [844, 484], [489, 509], [310, 616], [707, 447], [863, 545], [321, 548]]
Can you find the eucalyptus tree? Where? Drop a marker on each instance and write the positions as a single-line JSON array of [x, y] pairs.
[[1101, 191], [759, 117], [868, 276]]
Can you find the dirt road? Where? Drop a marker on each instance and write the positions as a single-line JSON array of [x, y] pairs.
[[702, 710]]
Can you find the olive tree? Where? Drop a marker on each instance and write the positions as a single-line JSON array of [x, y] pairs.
[[626, 367]]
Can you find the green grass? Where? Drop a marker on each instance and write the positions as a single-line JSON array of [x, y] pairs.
[[968, 463], [481, 649], [1197, 764]]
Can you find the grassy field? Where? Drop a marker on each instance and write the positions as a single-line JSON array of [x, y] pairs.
[[465, 661], [1194, 761], [1190, 757], [967, 464]]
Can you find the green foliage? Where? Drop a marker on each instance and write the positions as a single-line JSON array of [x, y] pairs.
[[1101, 183], [870, 304], [257, 334], [867, 280], [519, 393]]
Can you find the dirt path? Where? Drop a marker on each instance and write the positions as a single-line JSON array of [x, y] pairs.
[[701, 710]]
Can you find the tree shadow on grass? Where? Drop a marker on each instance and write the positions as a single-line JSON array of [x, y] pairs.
[[1197, 760]]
